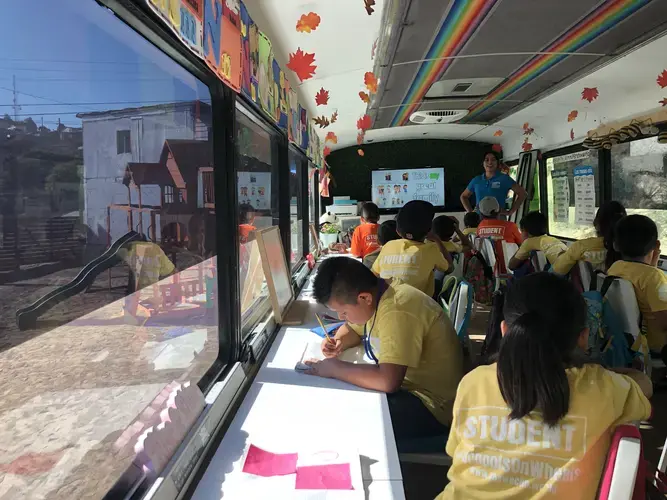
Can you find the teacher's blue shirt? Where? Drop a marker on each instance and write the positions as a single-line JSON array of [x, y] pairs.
[[497, 186]]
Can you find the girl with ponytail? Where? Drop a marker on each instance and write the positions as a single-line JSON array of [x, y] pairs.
[[538, 423]]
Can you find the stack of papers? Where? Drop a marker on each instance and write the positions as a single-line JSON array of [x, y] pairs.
[[313, 350]]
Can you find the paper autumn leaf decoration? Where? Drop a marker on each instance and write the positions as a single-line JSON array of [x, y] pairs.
[[371, 82], [662, 79], [572, 115], [369, 7], [498, 133], [497, 148], [322, 97], [322, 121], [526, 146], [590, 94], [364, 123], [334, 117], [326, 151], [360, 152], [571, 134], [365, 97], [331, 137], [360, 138], [302, 64], [308, 22], [663, 101], [527, 130]]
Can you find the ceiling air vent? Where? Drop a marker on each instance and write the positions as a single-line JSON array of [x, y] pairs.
[[461, 87], [438, 116], [470, 87]]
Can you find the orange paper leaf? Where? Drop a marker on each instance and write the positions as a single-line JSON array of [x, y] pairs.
[[663, 101], [364, 123], [331, 137], [360, 152], [369, 7], [365, 97], [526, 146], [326, 151], [572, 115], [571, 134], [662, 79], [371, 82], [497, 148], [334, 117], [498, 133], [308, 22], [322, 121], [528, 131], [590, 94], [302, 64], [322, 97], [360, 138]]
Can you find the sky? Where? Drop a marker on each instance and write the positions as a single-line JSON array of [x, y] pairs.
[[73, 56]]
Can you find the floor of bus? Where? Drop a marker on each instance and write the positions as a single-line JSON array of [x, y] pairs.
[[425, 482]]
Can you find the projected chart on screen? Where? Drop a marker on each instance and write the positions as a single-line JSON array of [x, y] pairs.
[[394, 188]]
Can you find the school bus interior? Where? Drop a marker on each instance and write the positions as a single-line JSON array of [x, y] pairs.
[[149, 150]]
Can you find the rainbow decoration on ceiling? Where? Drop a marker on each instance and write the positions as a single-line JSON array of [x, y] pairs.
[[590, 27], [463, 18]]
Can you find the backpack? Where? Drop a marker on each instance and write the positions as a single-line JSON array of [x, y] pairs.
[[479, 274], [607, 342]]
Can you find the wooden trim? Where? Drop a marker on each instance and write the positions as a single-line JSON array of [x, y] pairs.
[[655, 117]]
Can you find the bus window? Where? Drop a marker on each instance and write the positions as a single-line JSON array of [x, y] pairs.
[[313, 203], [107, 244], [297, 169], [638, 170], [565, 223], [258, 209]]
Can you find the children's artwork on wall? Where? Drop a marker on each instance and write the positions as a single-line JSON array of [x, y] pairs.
[[265, 71], [185, 18], [222, 42], [231, 45], [231, 9], [279, 116], [245, 54], [294, 117], [303, 126]]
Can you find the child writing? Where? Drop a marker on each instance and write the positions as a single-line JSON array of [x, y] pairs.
[[636, 238], [538, 423], [534, 232], [411, 259], [386, 233], [598, 251], [364, 238]]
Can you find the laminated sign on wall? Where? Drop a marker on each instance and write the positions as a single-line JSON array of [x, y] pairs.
[[561, 198], [584, 195]]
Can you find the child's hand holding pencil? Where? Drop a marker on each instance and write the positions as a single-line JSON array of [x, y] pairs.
[[331, 346]]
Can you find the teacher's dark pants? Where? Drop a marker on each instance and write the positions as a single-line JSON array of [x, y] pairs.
[[414, 424]]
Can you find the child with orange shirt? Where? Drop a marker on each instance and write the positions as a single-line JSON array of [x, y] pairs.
[[365, 236]]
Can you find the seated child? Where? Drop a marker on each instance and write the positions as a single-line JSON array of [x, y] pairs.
[[364, 238], [598, 251], [246, 223], [539, 421], [445, 227], [386, 232], [492, 227], [411, 259], [419, 357], [535, 237], [471, 220], [636, 238]]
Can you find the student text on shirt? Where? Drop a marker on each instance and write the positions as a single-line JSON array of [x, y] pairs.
[[364, 238], [386, 233]]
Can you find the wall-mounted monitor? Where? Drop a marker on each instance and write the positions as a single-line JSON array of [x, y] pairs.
[[394, 188]]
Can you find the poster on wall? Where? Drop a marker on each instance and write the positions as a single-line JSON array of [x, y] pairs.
[[265, 69], [394, 188], [222, 40], [291, 115], [250, 55], [303, 128], [254, 188], [584, 195], [279, 96], [185, 18], [561, 195]]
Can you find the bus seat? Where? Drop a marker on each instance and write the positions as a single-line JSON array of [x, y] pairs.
[[448, 292], [508, 249], [662, 463], [485, 247], [461, 318], [585, 274], [621, 297], [539, 261], [619, 477]]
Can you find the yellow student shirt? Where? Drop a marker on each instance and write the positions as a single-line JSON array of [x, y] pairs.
[[412, 262], [470, 230], [410, 329], [453, 247], [588, 250], [550, 246], [147, 261], [650, 285], [495, 457]]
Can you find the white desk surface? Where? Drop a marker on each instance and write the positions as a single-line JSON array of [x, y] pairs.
[[285, 411]]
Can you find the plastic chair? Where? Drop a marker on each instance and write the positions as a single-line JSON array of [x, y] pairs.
[[619, 477], [451, 282], [539, 260], [462, 305]]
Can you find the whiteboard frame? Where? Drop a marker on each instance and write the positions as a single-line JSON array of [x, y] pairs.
[[270, 283]]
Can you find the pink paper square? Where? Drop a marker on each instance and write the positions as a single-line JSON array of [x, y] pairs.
[[267, 464], [324, 477]]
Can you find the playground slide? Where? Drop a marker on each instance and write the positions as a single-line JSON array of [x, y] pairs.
[[26, 317]]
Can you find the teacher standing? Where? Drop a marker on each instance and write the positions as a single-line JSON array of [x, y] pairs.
[[493, 183]]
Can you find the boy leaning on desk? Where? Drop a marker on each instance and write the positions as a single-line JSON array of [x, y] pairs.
[[419, 358]]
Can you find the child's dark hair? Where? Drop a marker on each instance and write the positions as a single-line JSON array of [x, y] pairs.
[[343, 279], [635, 236], [534, 223], [413, 221], [545, 315], [471, 219], [246, 211], [605, 221], [387, 232], [370, 212], [443, 227]]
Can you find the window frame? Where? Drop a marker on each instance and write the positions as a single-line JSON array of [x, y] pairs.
[[302, 199]]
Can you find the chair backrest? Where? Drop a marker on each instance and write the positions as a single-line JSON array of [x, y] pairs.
[[461, 311], [585, 274], [619, 476], [485, 247], [622, 299], [539, 261], [508, 249], [448, 292]]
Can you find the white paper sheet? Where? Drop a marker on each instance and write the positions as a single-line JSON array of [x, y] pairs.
[[584, 195], [561, 195]]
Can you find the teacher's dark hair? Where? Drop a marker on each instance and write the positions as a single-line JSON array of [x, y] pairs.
[[544, 315], [343, 279], [605, 221], [495, 154]]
